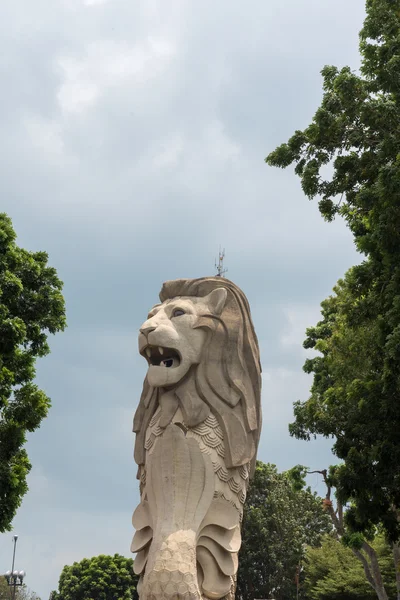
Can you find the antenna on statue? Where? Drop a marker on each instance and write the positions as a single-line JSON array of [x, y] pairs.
[[220, 264]]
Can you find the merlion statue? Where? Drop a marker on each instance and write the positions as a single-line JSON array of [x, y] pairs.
[[197, 429]]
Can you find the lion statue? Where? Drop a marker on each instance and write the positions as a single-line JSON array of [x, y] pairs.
[[197, 430]]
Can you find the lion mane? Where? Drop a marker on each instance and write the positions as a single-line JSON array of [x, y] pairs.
[[227, 382]]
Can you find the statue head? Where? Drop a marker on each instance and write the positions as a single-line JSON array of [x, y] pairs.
[[201, 338], [172, 338]]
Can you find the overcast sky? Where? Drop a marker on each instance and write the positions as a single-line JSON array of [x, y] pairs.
[[133, 138]]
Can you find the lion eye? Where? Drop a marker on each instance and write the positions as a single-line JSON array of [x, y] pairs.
[[178, 312]]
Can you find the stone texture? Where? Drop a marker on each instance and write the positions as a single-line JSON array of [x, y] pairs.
[[197, 429]]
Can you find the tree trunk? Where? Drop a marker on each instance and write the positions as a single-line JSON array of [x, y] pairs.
[[376, 571], [396, 559]]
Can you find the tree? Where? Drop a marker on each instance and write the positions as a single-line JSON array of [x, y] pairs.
[[31, 306], [356, 386], [362, 547], [98, 578], [4, 589], [25, 593], [21, 592], [280, 518], [331, 573]]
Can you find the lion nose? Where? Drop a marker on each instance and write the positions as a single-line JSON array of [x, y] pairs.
[[147, 330]]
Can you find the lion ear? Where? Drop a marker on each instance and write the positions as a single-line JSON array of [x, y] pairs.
[[216, 300]]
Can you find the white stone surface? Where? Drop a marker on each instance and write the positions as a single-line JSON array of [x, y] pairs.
[[197, 430]]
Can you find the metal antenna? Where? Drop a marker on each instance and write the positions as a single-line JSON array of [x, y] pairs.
[[220, 265]]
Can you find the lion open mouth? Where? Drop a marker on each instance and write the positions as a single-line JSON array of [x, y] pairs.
[[157, 356]]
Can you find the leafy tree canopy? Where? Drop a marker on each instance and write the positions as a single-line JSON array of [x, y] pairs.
[[25, 593], [356, 133], [21, 592], [98, 578], [4, 589], [332, 573], [280, 517], [31, 307]]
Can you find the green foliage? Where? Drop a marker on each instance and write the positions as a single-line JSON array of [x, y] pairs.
[[31, 306], [280, 518], [25, 593], [333, 573], [21, 592], [354, 397], [98, 578], [4, 589]]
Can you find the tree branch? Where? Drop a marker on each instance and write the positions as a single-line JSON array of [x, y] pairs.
[[366, 566], [396, 559]]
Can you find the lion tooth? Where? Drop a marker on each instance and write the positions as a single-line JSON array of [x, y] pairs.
[[148, 352], [161, 350]]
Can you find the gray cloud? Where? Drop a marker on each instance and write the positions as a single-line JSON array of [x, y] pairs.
[[133, 140]]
